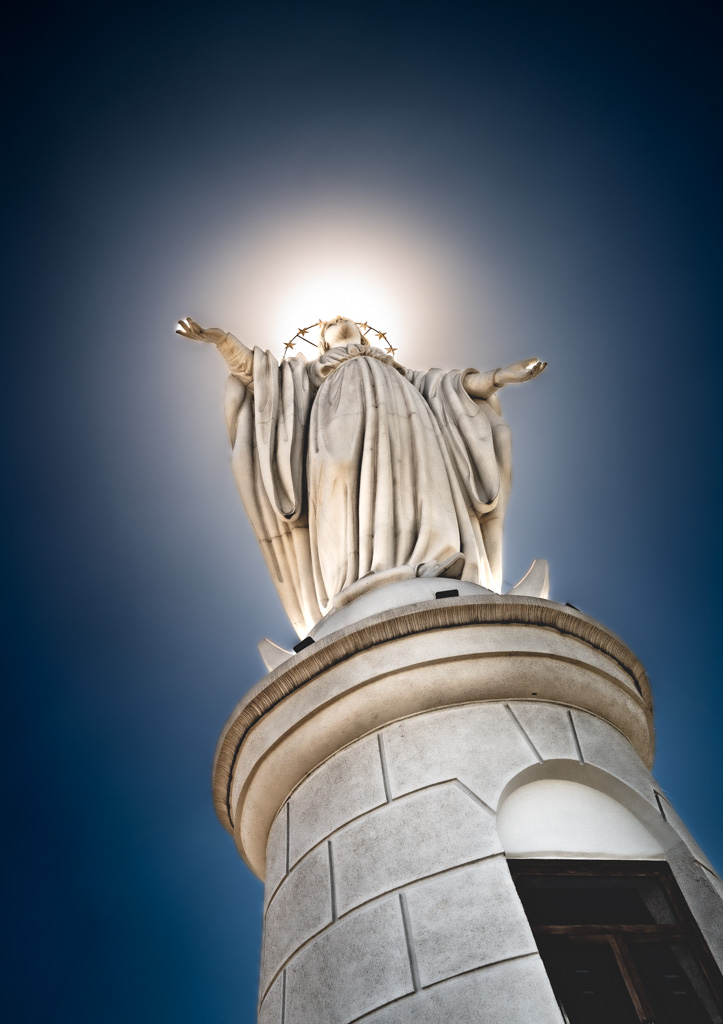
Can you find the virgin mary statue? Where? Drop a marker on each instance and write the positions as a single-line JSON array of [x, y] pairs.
[[356, 471]]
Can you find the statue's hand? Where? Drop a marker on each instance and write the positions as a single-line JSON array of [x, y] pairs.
[[518, 373], [188, 328]]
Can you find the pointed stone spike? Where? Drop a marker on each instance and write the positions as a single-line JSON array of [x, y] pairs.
[[536, 582], [271, 654]]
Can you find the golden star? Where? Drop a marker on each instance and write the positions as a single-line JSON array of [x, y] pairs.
[[381, 334], [302, 331], [288, 345], [364, 326]]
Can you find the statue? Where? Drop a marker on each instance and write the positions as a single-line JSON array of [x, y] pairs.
[[356, 471]]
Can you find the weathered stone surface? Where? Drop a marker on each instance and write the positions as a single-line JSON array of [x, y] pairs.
[[270, 1011], [275, 855], [603, 746], [448, 653], [300, 908], [548, 727], [408, 839], [350, 969], [513, 992], [465, 919], [702, 891], [478, 744], [345, 786], [674, 819]]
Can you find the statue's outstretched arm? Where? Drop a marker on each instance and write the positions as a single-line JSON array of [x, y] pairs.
[[240, 359], [484, 385]]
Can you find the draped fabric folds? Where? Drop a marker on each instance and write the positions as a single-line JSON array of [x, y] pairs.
[[352, 465]]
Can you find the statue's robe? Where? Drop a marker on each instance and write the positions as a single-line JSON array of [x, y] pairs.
[[352, 466]]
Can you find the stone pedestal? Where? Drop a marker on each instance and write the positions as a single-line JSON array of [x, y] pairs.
[[365, 779]]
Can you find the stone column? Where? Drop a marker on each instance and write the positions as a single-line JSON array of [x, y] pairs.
[[362, 780]]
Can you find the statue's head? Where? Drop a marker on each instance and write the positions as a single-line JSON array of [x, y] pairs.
[[339, 331]]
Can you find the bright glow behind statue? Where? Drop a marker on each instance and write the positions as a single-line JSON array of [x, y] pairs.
[[270, 278]]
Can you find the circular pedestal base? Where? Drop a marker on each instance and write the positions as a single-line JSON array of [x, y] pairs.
[[409, 660]]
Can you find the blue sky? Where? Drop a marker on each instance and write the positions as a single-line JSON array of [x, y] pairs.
[[496, 182]]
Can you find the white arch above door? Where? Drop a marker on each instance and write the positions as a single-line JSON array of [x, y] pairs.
[[564, 819]]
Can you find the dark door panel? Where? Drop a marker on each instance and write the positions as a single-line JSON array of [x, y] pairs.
[[587, 982], [619, 943]]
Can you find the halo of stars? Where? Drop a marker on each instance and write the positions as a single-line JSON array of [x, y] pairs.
[[365, 328]]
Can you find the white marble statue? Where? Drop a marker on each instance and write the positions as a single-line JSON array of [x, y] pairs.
[[356, 471]]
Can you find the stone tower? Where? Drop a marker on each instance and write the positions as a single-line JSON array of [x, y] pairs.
[[448, 796]]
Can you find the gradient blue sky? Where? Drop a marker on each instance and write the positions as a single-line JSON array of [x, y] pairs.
[[502, 181]]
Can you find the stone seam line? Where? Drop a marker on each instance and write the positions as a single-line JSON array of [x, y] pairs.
[[332, 881], [389, 892], [399, 890], [409, 936], [526, 738], [443, 981], [660, 804], [285, 809], [288, 833], [495, 700], [385, 770], [396, 891], [575, 737], [330, 836], [390, 799], [429, 616]]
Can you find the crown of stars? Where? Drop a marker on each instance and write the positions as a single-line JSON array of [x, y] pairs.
[[364, 327]]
